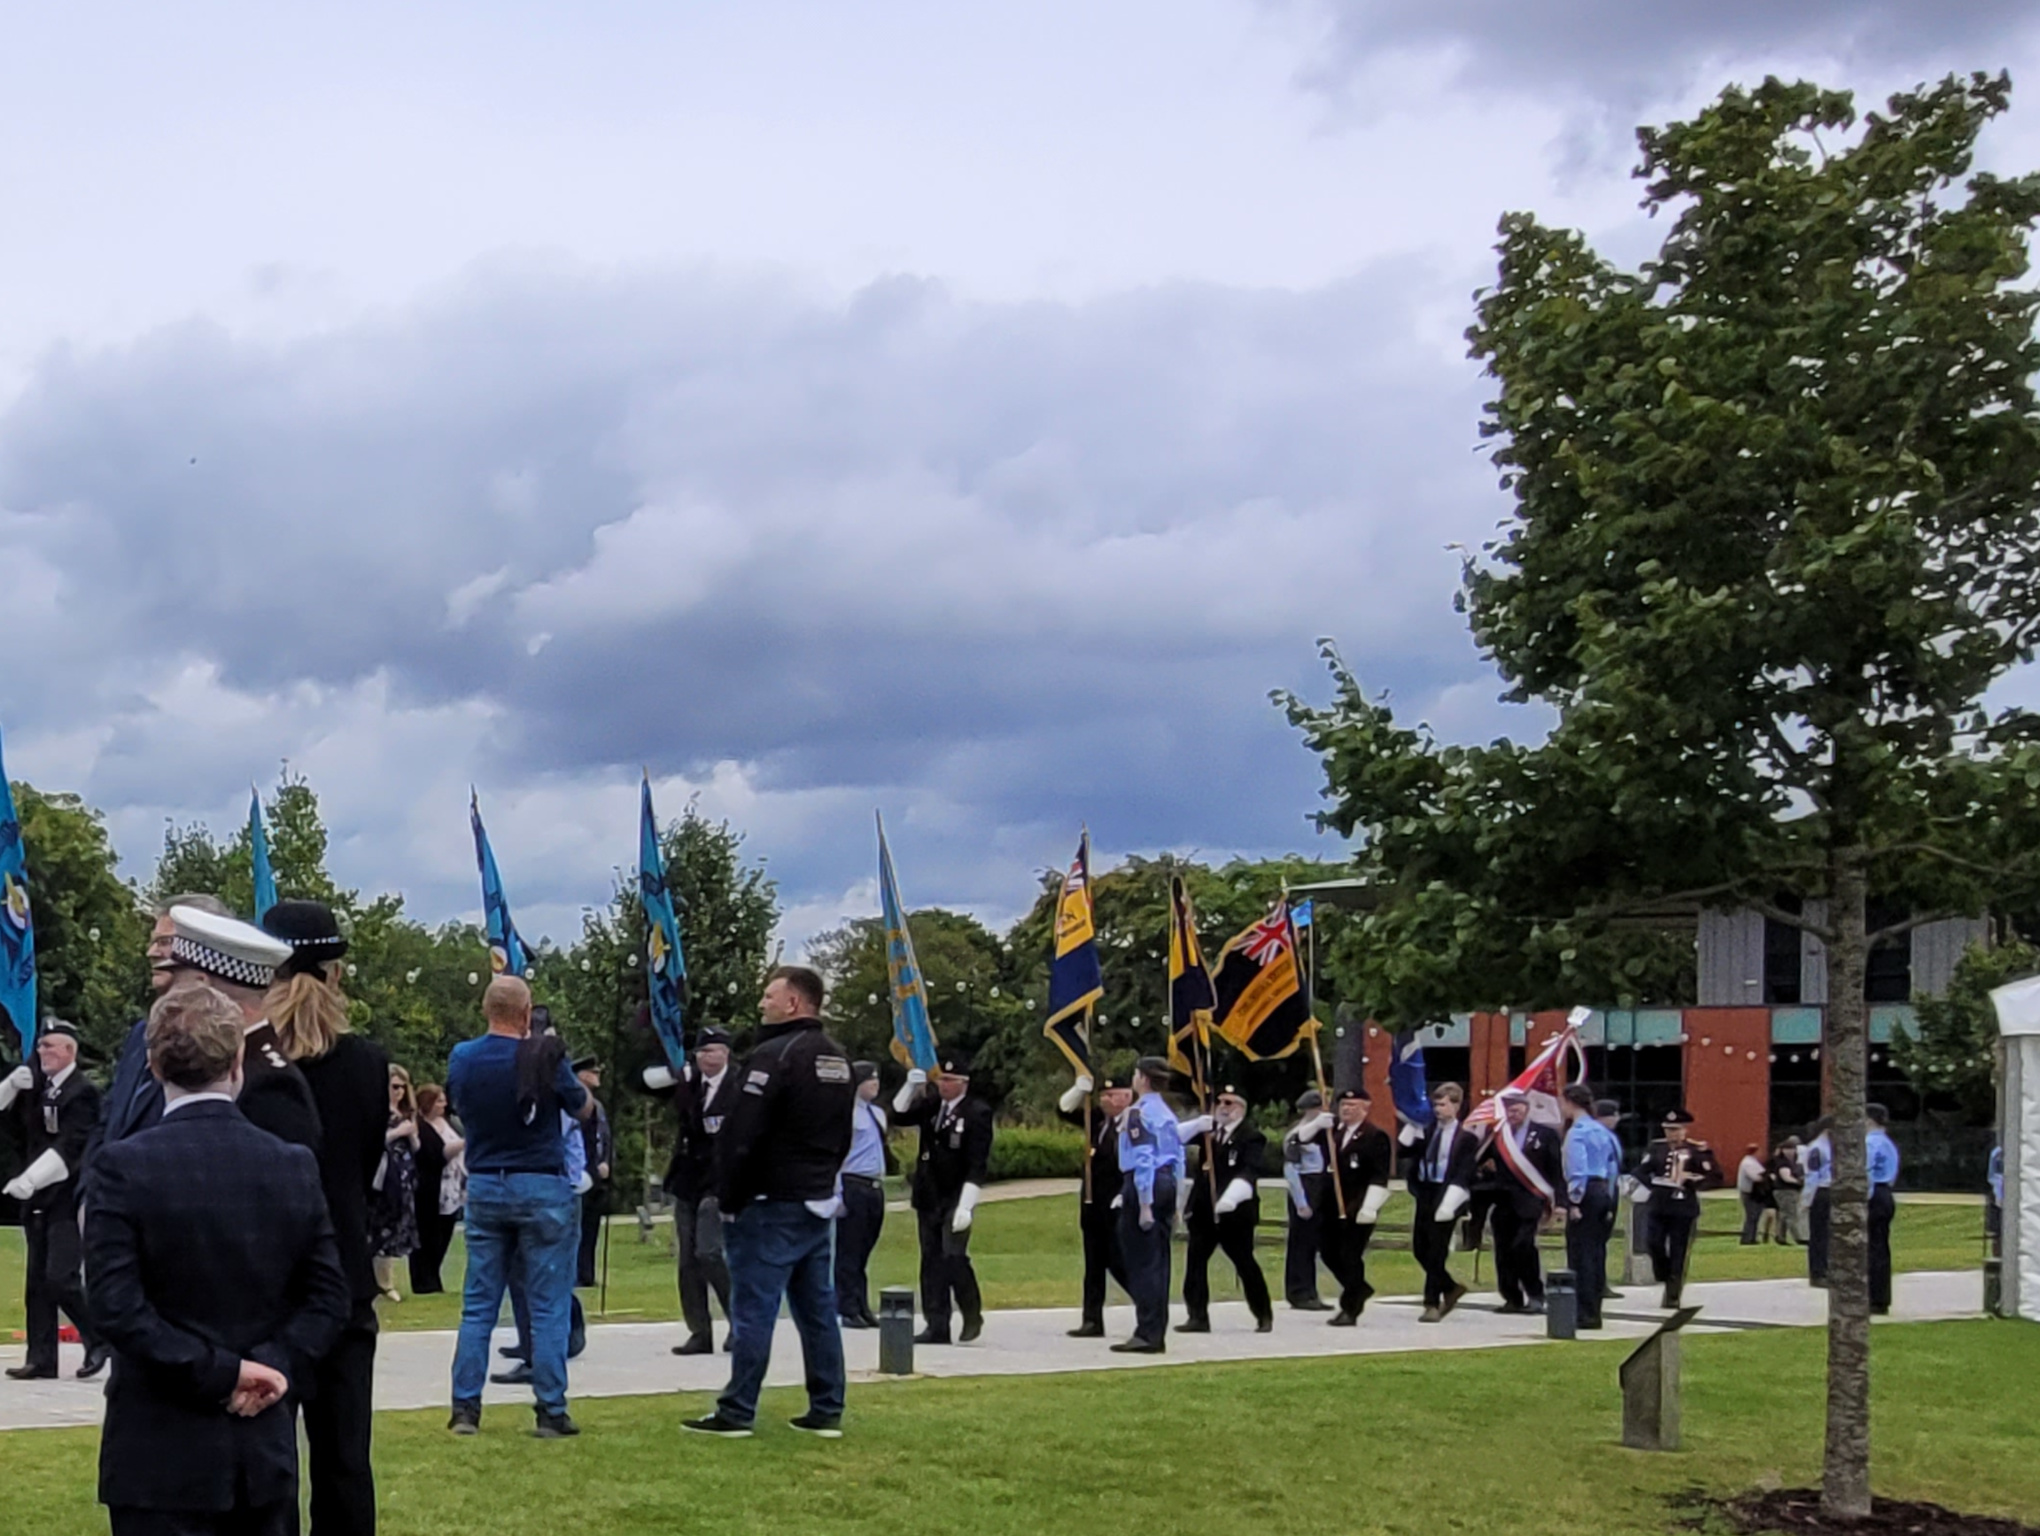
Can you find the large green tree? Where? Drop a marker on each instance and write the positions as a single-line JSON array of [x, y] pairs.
[[1776, 532]]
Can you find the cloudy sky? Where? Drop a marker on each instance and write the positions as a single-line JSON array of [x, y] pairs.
[[965, 411]]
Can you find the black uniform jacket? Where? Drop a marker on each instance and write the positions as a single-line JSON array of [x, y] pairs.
[[690, 1175], [1240, 1155], [1543, 1151], [206, 1243], [1677, 1177], [953, 1156], [350, 1087], [62, 1120], [1104, 1185], [275, 1096], [788, 1127], [1358, 1161], [1458, 1162]]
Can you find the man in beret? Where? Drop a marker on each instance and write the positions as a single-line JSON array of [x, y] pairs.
[[949, 1175], [59, 1108], [1098, 1196], [1223, 1208], [863, 1217], [703, 1093], [1151, 1162]]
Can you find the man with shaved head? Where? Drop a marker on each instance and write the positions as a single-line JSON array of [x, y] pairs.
[[508, 1088]]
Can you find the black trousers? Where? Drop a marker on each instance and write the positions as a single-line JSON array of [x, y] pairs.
[[1346, 1252], [1586, 1246], [698, 1235], [1817, 1217], [1671, 1242], [1099, 1224], [54, 1280], [1518, 1273], [435, 1235], [594, 1205], [1431, 1244], [1882, 1208], [339, 1413], [1146, 1256], [857, 1232], [946, 1271], [279, 1519], [1232, 1234], [1300, 1255]]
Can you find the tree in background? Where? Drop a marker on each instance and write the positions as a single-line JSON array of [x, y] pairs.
[[1776, 533], [1954, 1057]]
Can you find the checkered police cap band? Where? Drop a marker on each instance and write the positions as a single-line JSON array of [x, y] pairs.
[[214, 962]]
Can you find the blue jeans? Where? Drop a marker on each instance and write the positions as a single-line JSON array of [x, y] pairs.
[[781, 1248], [531, 1220]]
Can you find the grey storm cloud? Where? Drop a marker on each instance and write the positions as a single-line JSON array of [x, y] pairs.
[[1041, 561]]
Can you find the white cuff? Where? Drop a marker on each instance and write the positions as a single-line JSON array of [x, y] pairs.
[[1074, 1095], [1196, 1125], [966, 1207], [916, 1075], [1371, 1204], [585, 1183], [46, 1170], [659, 1079], [1237, 1194], [1316, 1125], [909, 1091], [1410, 1134], [1118, 1200], [1453, 1201]]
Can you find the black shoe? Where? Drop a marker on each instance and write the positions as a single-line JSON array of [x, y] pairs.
[[1512, 1308], [822, 1426], [466, 1420], [1343, 1319], [716, 1424], [519, 1375], [1264, 1324], [1534, 1308], [1194, 1325], [31, 1373], [554, 1426], [1452, 1299], [1611, 1295], [1314, 1304], [1590, 1322], [1670, 1300], [972, 1327], [1140, 1347], [1088, 1331], [95, 1361], [1883, 1311], [700, 1344], [854, 1322], [729, 1342], [513, 1352], [930, 1336]]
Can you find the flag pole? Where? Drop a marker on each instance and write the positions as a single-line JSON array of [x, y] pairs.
[[1317, 1059], [1089, 1146]]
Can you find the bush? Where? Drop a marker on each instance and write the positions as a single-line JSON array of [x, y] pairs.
[[1037, 1152]]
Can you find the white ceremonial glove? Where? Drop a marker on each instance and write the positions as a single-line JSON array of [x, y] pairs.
[[16, 1083], [828, 1209], [909, 1091], [1316, 1125], [659, 1079], [1195, 1126], [1237, 1194], [1639, 1191], [1453, 1202], [1118, 1201], [916, 1077], [41, 1174], [966, 1207], [1410, 1134], [17, 1188], [584, 1183], [1074, 1095], [1370, 1205]]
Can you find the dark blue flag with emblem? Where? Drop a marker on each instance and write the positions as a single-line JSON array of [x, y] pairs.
[[1406, 1080], [1075, 979], [17, 923], [506, 950], [258, 852], [665, 967]]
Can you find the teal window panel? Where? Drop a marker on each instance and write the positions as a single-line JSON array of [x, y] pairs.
[[1457, 1030], [1659, 1026], [1795, 1026], [1594, 1028], [1621, 1026], [1887, 1017], [1519, 1027]]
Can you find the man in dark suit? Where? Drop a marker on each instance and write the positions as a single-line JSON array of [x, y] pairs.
[[1098, 1199], [949, 1175], [1234, 1148], [703, 1096], [1674, 1170], [215, 1278], [1440, 1169], [1362, 1163], [1524, 1163], [59, 1107]]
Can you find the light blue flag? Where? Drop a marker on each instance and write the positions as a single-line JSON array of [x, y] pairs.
[[665, 966], [1301, 914], [258, 847], [17, 923], [913, 1042], [506, 950]]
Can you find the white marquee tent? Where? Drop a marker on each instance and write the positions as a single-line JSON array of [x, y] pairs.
[[2018, 1012]]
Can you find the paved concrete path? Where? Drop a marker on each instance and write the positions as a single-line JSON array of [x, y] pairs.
[[630, 1359]]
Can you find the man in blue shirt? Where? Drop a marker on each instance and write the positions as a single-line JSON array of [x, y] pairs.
[[508, 1091], [1883, 1206], [1818, 1161], [1151, 1167], [863, 1217], [1593, 1168]]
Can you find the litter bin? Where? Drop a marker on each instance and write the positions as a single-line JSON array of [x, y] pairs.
[[1561, 1305], [896, 1331]]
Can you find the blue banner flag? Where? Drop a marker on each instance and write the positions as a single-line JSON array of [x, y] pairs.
[[1301, 914], [1406, 1081], [665, 966], [1075, 979], [913, 1042], [258, 850], [17, 923], [506, 950]]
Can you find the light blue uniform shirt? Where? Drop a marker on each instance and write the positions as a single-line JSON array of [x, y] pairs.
[[867, 1142], [577, 1149], [1149, 1142], [1883, 1158], [1592, 1151], [1817, 1161]]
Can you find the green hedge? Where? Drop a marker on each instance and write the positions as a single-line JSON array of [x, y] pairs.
[[1037, 1152]]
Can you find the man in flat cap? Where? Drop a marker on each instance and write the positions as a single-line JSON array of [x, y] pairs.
[[1525, 1167], [59, 1108], [1674, 1170], [703, 1093], [949, 1175], [1151, 1162], [863, 1217], [1304, 1161], [1222, 1209], [1098, 1196]]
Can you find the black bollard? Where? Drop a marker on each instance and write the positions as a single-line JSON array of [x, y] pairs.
[[1561, 1305], [896, 1331], [1993, 1287]]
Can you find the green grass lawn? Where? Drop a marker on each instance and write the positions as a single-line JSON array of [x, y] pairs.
[[1027, 1255], [1522, 1441]]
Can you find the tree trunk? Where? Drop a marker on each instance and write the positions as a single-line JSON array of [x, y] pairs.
[[1845, 1469]]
